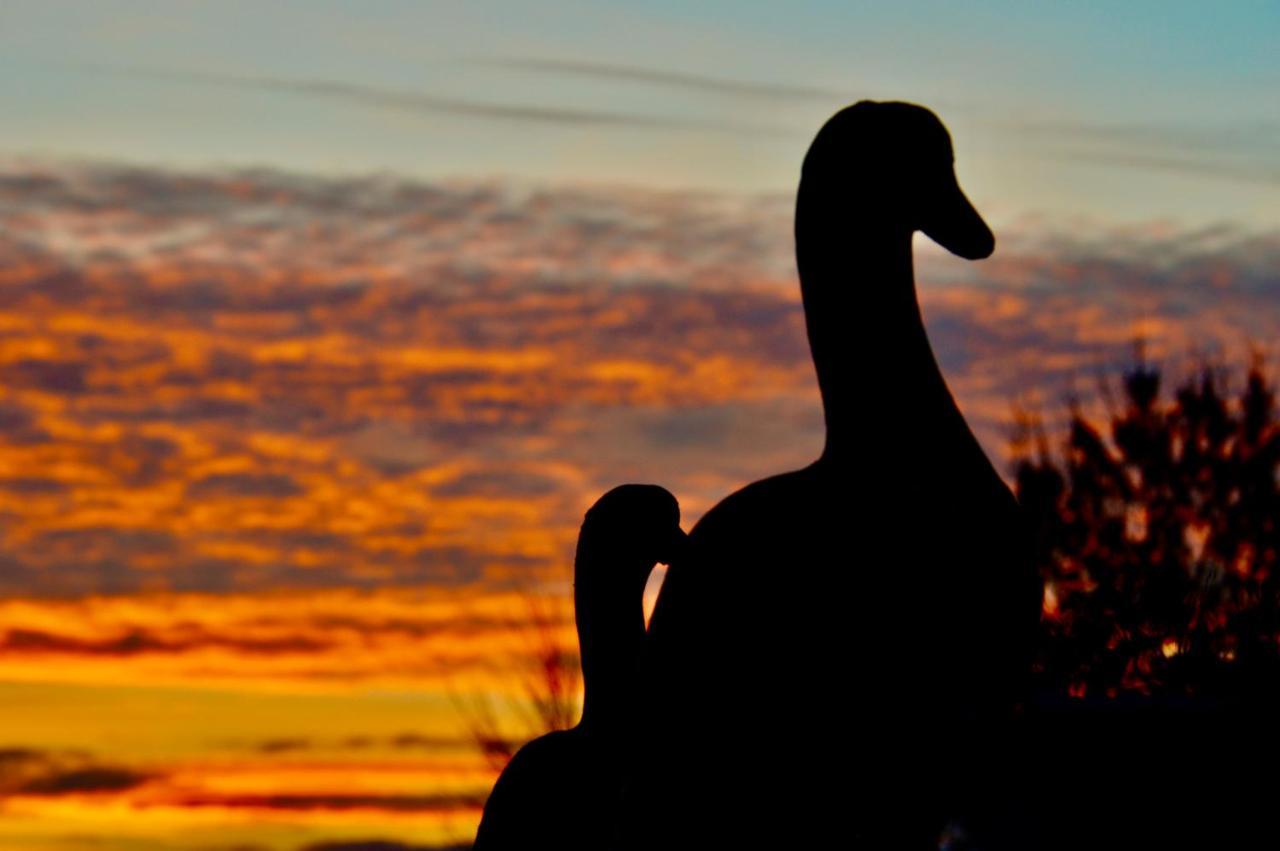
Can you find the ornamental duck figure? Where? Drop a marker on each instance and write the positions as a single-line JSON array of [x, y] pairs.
[[836, 649], [561, 790]]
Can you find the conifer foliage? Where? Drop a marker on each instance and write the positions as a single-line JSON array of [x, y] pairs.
[[1158, 536]]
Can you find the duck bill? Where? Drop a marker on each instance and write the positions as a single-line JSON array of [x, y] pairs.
[[953, 223]]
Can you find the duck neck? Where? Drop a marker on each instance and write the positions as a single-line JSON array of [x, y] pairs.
[[611, 631], [876, 370]]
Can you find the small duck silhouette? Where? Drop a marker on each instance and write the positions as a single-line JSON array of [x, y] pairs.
[[835, 642], [562, 790]]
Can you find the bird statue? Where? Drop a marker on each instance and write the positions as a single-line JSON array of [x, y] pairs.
[[561, 790], [835, 651]]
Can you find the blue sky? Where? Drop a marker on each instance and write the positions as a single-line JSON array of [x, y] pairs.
[[1128, 112]]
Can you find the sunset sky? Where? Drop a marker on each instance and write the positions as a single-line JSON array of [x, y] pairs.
[[321, 324]]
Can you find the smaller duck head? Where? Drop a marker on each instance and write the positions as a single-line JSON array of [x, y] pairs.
[[628, 530], [891, 165]]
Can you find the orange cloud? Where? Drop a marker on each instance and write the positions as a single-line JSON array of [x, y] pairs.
[[234, 381]]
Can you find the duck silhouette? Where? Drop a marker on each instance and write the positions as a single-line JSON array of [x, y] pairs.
[[835, 651], [562, 790]]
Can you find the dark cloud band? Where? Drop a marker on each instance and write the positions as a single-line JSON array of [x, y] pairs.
[[428, 104]]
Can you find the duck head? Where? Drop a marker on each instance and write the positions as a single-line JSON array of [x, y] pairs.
[[885, 167]]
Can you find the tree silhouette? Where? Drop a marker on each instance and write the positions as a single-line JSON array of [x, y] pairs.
[[550, 693], [1158, 541]]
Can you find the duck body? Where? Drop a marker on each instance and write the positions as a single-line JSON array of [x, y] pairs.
[[560, 791], [837, 643], [829, 670]]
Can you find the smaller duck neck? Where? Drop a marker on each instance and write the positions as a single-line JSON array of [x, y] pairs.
[[609, 602]]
